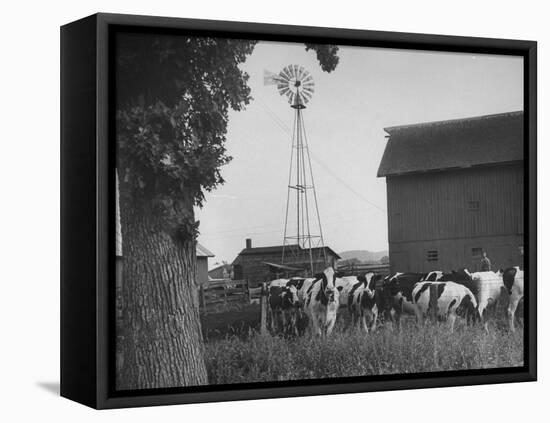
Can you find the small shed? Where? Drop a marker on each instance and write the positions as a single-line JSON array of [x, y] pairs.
[[259, 264], [202, 263]]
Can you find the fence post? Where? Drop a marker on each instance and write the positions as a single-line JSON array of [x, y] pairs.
[[432, 305], [263, 309]]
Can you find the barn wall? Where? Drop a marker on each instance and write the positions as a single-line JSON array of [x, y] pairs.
[[503, 251], [453, 212]]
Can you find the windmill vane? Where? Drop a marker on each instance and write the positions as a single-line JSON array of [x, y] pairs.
[[294, 82]]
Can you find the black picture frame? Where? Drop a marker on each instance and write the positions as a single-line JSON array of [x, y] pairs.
[[87, 203]]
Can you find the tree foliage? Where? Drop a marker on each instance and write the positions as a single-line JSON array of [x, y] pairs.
[[174, 94], [327, 55]]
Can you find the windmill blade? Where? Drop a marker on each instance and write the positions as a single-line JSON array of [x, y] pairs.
[[293, 71], [286, 73], [291, 97], [307, 94], [284, 91], [308, 79], [301, 73]]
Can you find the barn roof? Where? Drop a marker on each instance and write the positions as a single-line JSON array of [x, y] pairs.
[[203, 252], [458, 143]]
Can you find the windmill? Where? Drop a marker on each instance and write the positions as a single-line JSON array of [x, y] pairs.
[[297, 85]]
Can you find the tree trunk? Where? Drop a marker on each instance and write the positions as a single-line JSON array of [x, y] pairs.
[[161, 335]]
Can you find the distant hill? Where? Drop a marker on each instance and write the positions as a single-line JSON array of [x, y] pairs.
[[364, 255]]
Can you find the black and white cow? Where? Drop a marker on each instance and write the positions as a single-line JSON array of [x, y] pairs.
[[321, 299], [513, 282], [283, 306], [397, 293], [362, 301], [487, 288], [452, 299], [461, 276]]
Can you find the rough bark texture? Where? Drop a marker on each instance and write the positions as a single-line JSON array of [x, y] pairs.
[[161, 344]]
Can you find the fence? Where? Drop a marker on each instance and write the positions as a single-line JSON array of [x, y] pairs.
[[361, 269], [223, 292]]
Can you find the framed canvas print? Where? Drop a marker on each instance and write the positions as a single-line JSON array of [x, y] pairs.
[[254, 211]]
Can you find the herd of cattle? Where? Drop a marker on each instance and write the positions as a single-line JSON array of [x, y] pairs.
[[372, 298]]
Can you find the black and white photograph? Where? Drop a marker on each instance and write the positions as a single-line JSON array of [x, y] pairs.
[[289, 211]]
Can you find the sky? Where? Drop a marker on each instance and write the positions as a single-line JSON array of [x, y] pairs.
[[371, 89]]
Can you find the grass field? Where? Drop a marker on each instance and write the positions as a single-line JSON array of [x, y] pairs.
[[246, 356]]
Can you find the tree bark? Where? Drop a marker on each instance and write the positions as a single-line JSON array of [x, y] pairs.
[[161, 336]]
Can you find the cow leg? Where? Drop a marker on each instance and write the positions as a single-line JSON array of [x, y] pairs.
[[315, 328], [512, 306], [419, 317], [294, 323], [283, 322], [364, 322], [452, 319], [351, 319], [487, 312], [374, 317], [397, 317], [330, 325], [271, 320]]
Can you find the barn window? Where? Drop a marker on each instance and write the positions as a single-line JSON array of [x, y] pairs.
[[432, 255], [476, 252], [473, 205]]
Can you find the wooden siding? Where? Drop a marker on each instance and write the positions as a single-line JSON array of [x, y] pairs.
[[255, 271], [202, 270], [453, 212], [452, 254]]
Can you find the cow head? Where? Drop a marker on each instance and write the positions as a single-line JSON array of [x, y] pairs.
[[328, 284], [387, 293], [290, 297], [366, 279], [391, 285]]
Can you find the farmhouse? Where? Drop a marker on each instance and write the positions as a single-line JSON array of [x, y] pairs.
[[260, 264], [455, 190]]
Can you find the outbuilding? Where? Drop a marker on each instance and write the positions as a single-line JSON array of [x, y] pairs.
[[454, 191], [260, 264]]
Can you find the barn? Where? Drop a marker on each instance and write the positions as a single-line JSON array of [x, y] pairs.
[[455, 190], [260, 264]]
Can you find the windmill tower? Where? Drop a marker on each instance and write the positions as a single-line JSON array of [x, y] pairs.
[[303, 236]]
